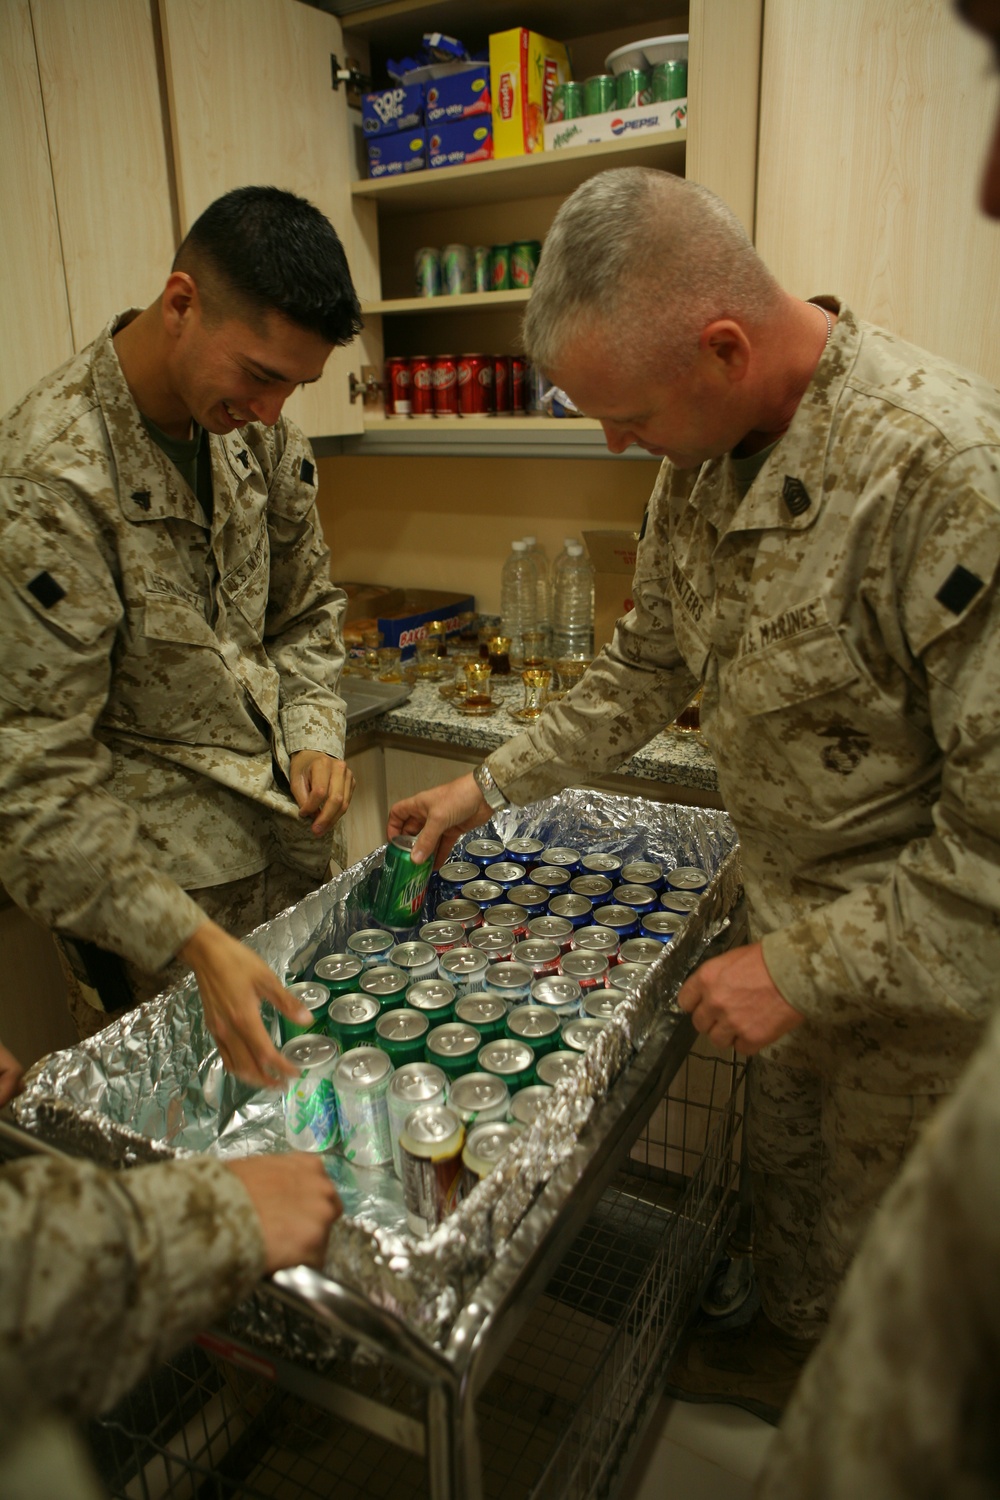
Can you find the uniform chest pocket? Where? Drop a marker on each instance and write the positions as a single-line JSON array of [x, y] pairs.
[[174, 622], [791, 672]]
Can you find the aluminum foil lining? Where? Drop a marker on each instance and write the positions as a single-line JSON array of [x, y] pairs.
[[151, 1086]]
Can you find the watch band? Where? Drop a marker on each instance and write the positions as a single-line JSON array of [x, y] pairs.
[[492, 795]]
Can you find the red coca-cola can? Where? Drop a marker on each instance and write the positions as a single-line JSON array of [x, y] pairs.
[[421, 385], [501, 384], [397, 386], [475, 384], [444, 379], [518, 392]]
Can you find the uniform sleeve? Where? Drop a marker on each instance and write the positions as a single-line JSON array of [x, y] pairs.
[[305, 612], [924, 939], [69, 848], [635, 686], [102, 1274]]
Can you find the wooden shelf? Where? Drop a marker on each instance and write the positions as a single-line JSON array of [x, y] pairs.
[[465, 302], [544, 174]]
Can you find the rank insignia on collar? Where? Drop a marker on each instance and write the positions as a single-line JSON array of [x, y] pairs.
[[795, 496], [141, 498], [244, 458], [307, 472]]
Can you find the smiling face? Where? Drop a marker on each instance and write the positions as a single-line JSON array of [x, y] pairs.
[[984, 16]]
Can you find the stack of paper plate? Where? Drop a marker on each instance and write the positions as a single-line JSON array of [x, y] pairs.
[[647, 54]]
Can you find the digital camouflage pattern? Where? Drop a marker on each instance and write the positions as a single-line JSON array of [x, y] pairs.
[[103, 1275], [900, 1401], [844, 618], [158, 671]]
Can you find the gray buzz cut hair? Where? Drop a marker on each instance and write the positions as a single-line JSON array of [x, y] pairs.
[[644, 260]]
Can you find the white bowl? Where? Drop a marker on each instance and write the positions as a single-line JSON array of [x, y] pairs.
[[647, 54]]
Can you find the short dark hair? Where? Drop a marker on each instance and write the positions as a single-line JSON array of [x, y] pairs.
[[268, 249]]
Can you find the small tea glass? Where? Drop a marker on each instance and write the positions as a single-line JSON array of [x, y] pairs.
[[371, 640], [390, 664], [568, 671], [477, 686], [533, 648], [498, 647], [428, 660], [537, 681]]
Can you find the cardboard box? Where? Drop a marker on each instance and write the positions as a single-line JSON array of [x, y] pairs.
[[613, 556], [458, 96], [524, 70], [365, 600], [618, 124], [407, 624], [391, 110], [401, 151], [464, 141]]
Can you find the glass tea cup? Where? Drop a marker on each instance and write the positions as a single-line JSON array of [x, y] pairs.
[[568, 671], [537, 681], [498, 647], [428, 660], [533, 648], [390, 667], [477, 684]]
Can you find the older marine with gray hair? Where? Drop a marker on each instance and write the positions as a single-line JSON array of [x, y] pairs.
[[819, 554]]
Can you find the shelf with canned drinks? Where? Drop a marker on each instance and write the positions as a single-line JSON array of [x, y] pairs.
[[458, 302]]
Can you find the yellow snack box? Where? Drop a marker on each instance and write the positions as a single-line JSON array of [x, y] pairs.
[[524, 70]]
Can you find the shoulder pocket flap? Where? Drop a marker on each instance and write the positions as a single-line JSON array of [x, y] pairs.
[[170, 619], [56, 587], [793, 672]]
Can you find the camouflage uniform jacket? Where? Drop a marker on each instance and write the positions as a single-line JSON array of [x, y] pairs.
[[104, 1274], [158, 671], [844, 617]]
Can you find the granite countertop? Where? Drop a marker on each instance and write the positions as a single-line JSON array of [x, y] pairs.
[[674, 756]]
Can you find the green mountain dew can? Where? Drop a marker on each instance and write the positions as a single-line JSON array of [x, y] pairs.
[[316, 998], [670, 81], [339, 972], [402, 1036], [453, 1048], [573, 105], [632, 88], [599, 94], [352, 1020], [402, 885]]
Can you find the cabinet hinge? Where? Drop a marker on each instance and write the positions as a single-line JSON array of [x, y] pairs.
[[350, 74], [369, 387]]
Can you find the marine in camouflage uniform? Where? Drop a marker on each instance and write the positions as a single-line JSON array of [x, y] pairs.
[[161, 666], [843, 615], [102, 1276]]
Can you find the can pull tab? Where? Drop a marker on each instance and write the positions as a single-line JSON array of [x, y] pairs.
[[369, 387]]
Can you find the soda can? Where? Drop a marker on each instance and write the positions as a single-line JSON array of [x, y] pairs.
[[496, 942], [482, 265], [679, 903], [507, 914], [559, 993], [535, 1025], [525, 851], [529, 1103], [603, 1003], [401, 1035], [478, 1098], [596, 888], [557, 105], [315, 997], [689, 878], [430, 1154], [398, 400], [641, 898], [509, 1059], [361, 1081], [627, 977], [555, 1066], [598, 940], [485, 893], [643, 872], [573, 100], [501, 384], [475, 385], [540, 955], [339, 972], [456, 270], [530, 897], [564, 856], [557, 929], [669, 81], [442, 935], [453, 1047], [632, 89], [518, 378], [464, 967], [524, 257], [457, 909], [578, 1034], [386, 984], [662, 926], [510, 981], [600, 864], [487, 1013], [504, 873], [483, 852], [623, 920], [433, 998], [552, 877], [599, 94], [444, 380], [576, 909], [311, 1121], [402, 885], [352, 1020], [371, 945], [640, 950], [427, 272], [486, 1146], [421, 385], [455, 874], [417, 960], [500, 268], [411, 1086], [588, 968]]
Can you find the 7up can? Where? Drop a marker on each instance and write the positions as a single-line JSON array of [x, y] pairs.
[[399, 895]]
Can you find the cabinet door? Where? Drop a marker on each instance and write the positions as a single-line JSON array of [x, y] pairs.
[[408, 772], [34, 313], [365, 819], [107, 141], [251, 101]]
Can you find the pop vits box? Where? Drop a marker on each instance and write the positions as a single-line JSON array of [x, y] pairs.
[[399, 108], [457, 96], [400, 151], [463, 141], [524, 70]]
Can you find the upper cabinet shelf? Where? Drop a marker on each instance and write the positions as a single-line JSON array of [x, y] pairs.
[[544, 174]]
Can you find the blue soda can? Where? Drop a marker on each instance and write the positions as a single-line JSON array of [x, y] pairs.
[[639, 897], [564, 855], [596, 888], [505, 873], [678, 903], [484, 893], [688, 878], [601, 864], [623, 920], [552, 877], [643, 872], [525, 851], [531, 898], [456, 909], [455, 874], [576, 909], [483, 852], [660, 925]]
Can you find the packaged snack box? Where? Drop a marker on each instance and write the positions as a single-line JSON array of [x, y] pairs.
[[388, 110], [457, 96], [400, 151], [464, 141], [524, 70]]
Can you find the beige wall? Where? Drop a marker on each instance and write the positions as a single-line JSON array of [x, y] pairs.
[[448, 523]]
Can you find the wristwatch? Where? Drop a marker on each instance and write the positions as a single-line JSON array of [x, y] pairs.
[[492, 795]]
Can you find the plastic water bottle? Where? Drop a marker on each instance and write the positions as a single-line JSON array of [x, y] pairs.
[[518, 596], [543, 614], [573, 603]]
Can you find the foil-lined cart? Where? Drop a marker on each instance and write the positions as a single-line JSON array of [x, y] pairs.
[[516, 1350]]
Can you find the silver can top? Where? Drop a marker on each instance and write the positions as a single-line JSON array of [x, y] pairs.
[[561, 854], [642, 872], [489, 1143], [509, 976], [416, 1082], [311, 1053], [504, 871], [431, 994], [555, 1066], [527, 1104], [484, 849], [556, 991], [477, 1091], [602, 864], [432, 1128], [412, 955], [370, 940], [504, 914], [458, 871], [439, 933], [312, 996], [532, 1021], [463, 961], [337, 966], [454, 1039], [570, 906], [556, 929], [579, 1034], [353, 1010], [596, 939], [384, 979], [401, 1026], [636, 896], [362, 1067], [640, 950], [505, 1056], [479, 1009], [584, 963]]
